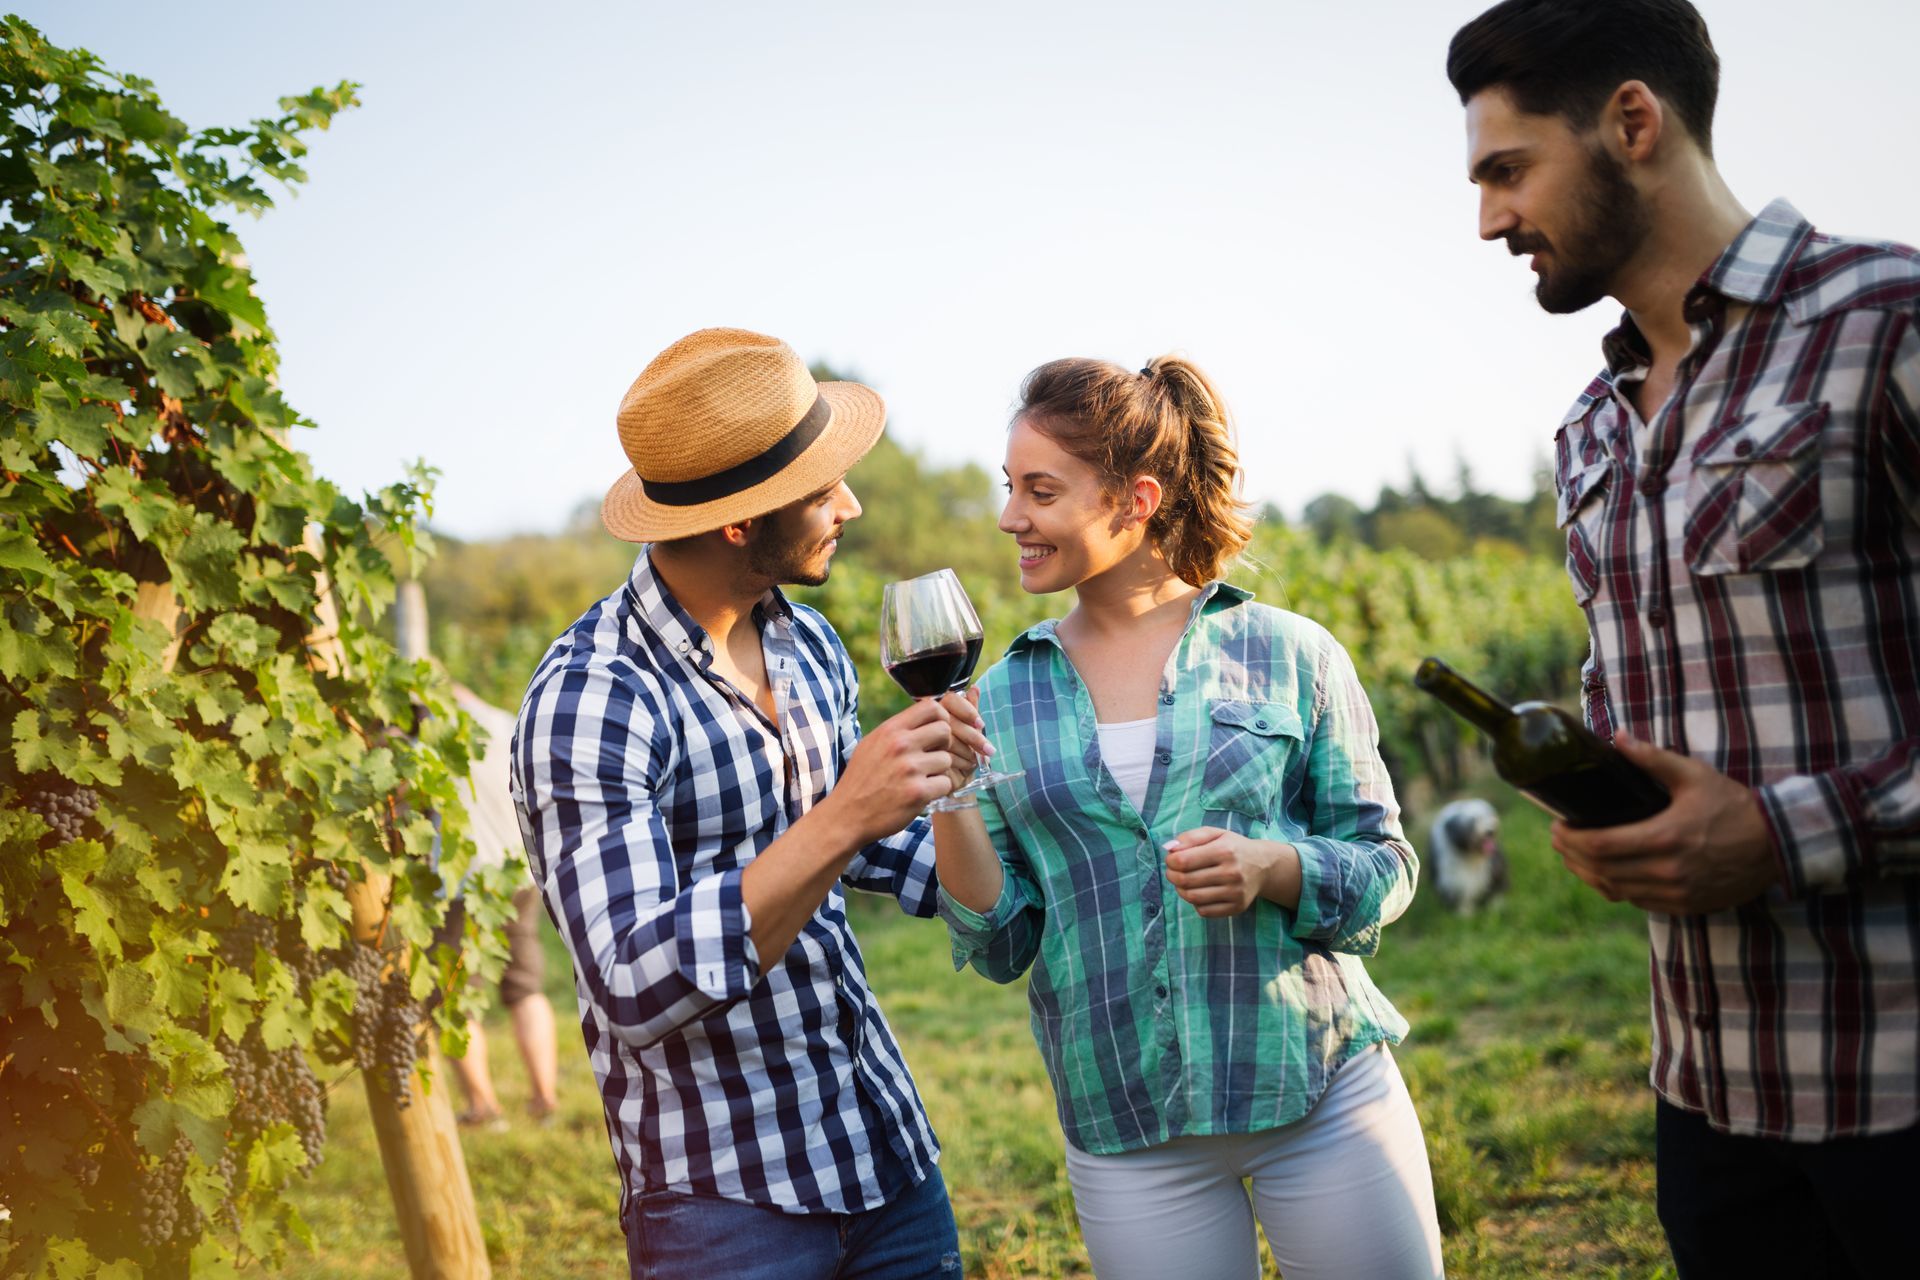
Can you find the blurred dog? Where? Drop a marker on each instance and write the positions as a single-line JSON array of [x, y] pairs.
[[1463, 848]]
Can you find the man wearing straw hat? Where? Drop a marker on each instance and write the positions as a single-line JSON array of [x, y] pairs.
[[695, 793]]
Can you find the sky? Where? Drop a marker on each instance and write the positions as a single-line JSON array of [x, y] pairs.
[[533, 200]]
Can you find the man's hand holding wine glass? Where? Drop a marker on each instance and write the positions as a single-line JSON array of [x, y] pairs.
[[1706, 851], [907, 761]]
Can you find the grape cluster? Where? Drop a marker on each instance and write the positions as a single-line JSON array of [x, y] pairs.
[[65, 806], [249, 931], [399, 1043], [305, 1101], [228, 1171], [306, 963], [363, 964], [272, 1087], [166, 1213]]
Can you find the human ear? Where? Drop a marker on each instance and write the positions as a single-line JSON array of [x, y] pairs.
[[1145, 498], [1634, 120]]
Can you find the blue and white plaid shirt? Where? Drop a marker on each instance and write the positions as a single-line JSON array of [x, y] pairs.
[[645, 784]]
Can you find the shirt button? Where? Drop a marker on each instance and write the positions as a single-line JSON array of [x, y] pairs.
[[1166, 699], [1653, 486], [1160, 989], [1742, 449], [1656, 617], [1163, 756], [1259, 724], [684, 646], [1704, 1021]]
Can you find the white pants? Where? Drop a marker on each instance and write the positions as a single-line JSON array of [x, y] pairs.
[[1344, 1194]]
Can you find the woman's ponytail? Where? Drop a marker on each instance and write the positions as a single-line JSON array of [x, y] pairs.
[[1207, 525]]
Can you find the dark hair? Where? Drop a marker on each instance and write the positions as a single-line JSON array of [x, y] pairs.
[[1565, 57], [1166, 421]]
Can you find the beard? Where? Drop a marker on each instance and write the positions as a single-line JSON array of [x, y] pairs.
[[1610, 224], [775, 552]]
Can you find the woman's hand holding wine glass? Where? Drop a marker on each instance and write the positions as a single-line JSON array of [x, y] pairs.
[[969, 749]]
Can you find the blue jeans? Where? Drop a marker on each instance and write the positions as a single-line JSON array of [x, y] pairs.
[[912, 1237]]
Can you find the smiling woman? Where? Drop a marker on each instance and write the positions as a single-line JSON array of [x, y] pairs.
[[1200, 846]]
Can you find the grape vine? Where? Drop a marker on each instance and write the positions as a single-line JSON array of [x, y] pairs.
[[221, 792]]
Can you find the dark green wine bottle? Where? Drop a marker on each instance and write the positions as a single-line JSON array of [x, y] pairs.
[[1553, 759]]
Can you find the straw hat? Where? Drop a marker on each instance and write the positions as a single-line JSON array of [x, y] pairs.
[[726, 425]]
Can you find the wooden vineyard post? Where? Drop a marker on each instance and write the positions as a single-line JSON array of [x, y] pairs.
[[420, 1148], [420, 1144]]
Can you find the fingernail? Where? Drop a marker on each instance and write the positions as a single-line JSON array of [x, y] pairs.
[[1171, 846]]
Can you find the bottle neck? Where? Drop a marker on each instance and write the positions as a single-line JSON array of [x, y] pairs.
[[1466, 699]]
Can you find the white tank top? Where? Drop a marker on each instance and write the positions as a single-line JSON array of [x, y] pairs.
[[1126, 748]]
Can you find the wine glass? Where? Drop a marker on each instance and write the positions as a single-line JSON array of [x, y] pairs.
[[930, 638], [983, 777]]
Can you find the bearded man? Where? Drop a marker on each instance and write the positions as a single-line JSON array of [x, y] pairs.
[[1740, 493]]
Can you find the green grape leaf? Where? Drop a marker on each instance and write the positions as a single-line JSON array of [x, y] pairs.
[[230, 998], [276, 1156], [323, 912], [212, 1260], [145, 504], [130, 1003], [159, 1120], [332, 996], [231, 289], [18, 550], [173, 966], [257, 876]]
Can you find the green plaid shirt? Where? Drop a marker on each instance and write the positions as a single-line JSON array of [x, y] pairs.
[[1154, 1022]]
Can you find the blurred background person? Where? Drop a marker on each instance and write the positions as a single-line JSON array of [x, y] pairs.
[[496, 836], [496, 839]]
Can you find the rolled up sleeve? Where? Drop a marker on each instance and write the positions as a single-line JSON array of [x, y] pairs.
[[1357, 871], [1002, 942], [1841, 829], [655, 953]]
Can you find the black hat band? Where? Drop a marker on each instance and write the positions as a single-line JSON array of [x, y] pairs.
[[743, 476]]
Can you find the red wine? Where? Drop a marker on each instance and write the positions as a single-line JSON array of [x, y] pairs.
[[929, 672], [961, 681], [1550, 757]]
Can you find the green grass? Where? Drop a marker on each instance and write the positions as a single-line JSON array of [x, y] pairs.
[[1527, 1061]]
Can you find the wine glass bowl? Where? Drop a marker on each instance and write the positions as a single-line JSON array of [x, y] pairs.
[[923, 637], [930, 642]]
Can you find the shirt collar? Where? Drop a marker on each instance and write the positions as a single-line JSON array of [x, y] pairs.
[[1753, 269], [664, 616], [1226, 592]]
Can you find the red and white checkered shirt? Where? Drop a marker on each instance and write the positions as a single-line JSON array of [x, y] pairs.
[[1749, 563]]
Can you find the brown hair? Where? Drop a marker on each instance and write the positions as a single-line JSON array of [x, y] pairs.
[[1166, 421]]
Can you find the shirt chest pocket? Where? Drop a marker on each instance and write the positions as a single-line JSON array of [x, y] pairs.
[[1753, 500], [1580, 514], [1250, 746]]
